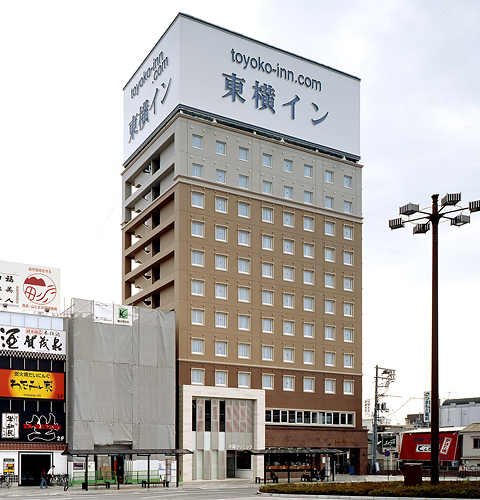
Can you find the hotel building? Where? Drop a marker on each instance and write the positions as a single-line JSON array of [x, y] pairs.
[[242, 212]]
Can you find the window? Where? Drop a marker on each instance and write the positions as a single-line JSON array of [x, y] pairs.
[[243, 181], [347, 335], [348, 232], [308, 197], [329, 359], [267, 382], [347, 181], [267, 160], [287, 219], [288, 192], [221, 262], [329, 254], [197, 171], [221, 176], [308, 277], [288, 166], [348, 360], [267, 214], [243, 154], [347, 207], [243, 237], [197, 316], [348, 258], [329, 202], [221, 291], [197, 200], [330, 228], [288, 355], [197, 346], [329, 333], [307, 357], [288, 300], [347, 309], [267, 298], [197, 141], [198, 287], [288, 273], [220, 348], [329, 306], [243, 294], [244, 266], [197, 377], [328, 176], [288, 383], [308, 250], [244, 380], [308, 330], [267, 353], [267, 325], [244, 351], [347, 387], [288, 246], [243, 322], [221, 148], [267, 187], [220, 205], [267, 242], [267, 270], [197, 258], [308, 384], [221, 378], [220, 233], [243, 209], [197, 229], [476, 443], [308, 303], [288, 327], [348, 284], [221, 320], [329, 387], [329, 281], [308, 223], [308, 171]]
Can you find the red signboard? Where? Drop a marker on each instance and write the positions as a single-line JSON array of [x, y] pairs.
[[32, 384], [416, 446]]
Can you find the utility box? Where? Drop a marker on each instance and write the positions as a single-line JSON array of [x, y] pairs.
[[412, 474]]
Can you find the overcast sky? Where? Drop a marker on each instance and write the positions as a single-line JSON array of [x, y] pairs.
[[64, 65]]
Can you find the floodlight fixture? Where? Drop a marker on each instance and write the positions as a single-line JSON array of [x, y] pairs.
[[460, 220], [409, 209], [396, 223], [474, 206], [451, 199], [421, 228]]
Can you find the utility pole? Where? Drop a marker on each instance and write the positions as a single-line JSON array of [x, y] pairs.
[[382, 381]]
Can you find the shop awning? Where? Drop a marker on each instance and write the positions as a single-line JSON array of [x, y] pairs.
[[126, 451]]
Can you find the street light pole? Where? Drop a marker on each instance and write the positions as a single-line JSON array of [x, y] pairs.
[[434, 432], [434, 218]]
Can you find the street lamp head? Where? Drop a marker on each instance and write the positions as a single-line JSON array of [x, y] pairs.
[[409, 209], [460, 220], [474, 206], [451, 199], [396, 223], [421, 228]]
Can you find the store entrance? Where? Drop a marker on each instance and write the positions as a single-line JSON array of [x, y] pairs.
[[31, 465]]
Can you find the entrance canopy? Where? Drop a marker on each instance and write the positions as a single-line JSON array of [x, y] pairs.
[[295, 451]]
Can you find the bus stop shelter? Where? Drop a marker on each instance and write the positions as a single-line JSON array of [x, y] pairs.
[[111, 451]]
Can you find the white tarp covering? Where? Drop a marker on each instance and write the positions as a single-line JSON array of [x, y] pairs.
[[122, 382]]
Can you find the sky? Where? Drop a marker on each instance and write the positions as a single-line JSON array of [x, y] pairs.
[[64, 66]]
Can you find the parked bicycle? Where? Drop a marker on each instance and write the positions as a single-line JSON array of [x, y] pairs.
[[5, 481], [60, 480]]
